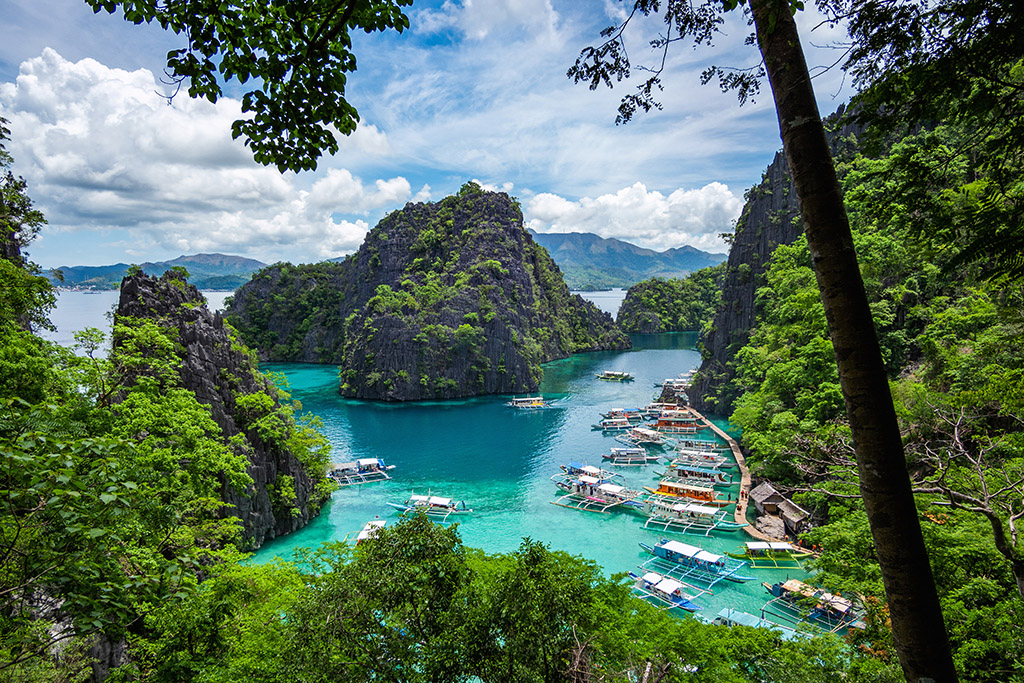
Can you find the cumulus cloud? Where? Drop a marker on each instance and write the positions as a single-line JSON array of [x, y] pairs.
[[103, 150], [641, 216]]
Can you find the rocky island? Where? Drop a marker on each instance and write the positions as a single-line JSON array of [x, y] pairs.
[[443, 300]]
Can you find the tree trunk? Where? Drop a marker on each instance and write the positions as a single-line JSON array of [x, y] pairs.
[[918, 629]]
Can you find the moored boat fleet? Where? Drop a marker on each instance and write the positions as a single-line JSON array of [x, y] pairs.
[[695, 483]]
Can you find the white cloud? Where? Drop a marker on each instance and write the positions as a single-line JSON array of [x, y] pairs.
[[478, 19], [645, 218], [102, 150]]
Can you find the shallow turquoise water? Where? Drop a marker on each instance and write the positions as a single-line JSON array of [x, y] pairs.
[[500, 462]]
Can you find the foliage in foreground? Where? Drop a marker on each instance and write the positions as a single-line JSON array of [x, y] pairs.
[[413, 604]]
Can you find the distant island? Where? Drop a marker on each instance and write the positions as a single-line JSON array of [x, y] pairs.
[[592, 263], [206, 271]]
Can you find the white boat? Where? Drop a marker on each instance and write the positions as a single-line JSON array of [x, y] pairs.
[[685, 456], [667, 593], [687, 518], [577, 469], [630, 456], [433, 506], [595, 495], [529, 403], [614, 424], [615, 376], [697, 474], [360, 471], [641, 436], [683, 561], [370, 529]]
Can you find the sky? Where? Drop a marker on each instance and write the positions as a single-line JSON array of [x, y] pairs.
[[474, 90]]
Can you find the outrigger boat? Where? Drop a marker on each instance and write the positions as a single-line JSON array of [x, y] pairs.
[[696, 474], [655, 409], [672, 489], [669, 515], [613, 424], [631, 414], [677, 422], [772, 554], [684, 561], [529, 403], [615, 376], [575, 469], [686, 456], [360, 471], [641, 436], [630, 456], [370, 529], [592, 495], [828, 611], [432, 506], [730, 617], [668, 592], [703, 446]]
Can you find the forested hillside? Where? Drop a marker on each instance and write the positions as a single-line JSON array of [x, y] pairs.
[[673, 305], [951, 339]]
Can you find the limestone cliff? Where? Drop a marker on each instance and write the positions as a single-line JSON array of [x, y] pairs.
[[770, 217], [224, 376], [443, 300]]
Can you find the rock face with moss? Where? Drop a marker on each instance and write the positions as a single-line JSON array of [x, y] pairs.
[[286, 461], [770, 217], [443, 300], [672, 305]]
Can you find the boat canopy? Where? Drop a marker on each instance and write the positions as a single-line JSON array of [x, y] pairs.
[[612, 488], [589, 481], [368, 462], [628, 451], [347, 465], [591, 470], [680, 548], [778, 545], [652, 577], [705, 556], [667, 586], [700, 509], [759, 545], [419, 499], [647, 432], [442, 502]]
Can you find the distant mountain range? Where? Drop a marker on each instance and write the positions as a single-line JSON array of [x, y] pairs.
[[592, 262], [206, 271], [587, 261]]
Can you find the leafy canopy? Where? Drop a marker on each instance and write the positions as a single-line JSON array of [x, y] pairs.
[[297, 52]]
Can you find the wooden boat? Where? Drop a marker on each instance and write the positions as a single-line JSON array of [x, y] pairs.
[[666, 514], [641, 436], [667, 593], [697, 474], [797, 601], [684, 561], [613, 424], [730, 617], [360, 471], [576, 469], [703, 445], [630, 456], [716, 460], [677, 422], [654, 409], [592, 495], [615, 376], [432, 506], [529, 403], [771, 554], [631, 414], [370, 529], [670, 488]]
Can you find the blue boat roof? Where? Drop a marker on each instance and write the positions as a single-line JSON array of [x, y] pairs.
[[732, 616]]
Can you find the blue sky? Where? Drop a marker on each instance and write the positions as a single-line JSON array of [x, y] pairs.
[[475, 90]]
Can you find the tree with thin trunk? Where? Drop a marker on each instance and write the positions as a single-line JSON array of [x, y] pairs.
[[918, 629]]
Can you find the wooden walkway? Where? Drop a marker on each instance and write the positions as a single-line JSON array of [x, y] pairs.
[[741, 504]]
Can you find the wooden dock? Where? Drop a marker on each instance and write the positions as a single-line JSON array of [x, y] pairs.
[[741, 505]]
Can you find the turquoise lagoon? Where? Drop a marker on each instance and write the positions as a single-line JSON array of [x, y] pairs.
[[500, 462]]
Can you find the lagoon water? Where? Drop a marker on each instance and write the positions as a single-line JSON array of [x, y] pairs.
[[498, 460]]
